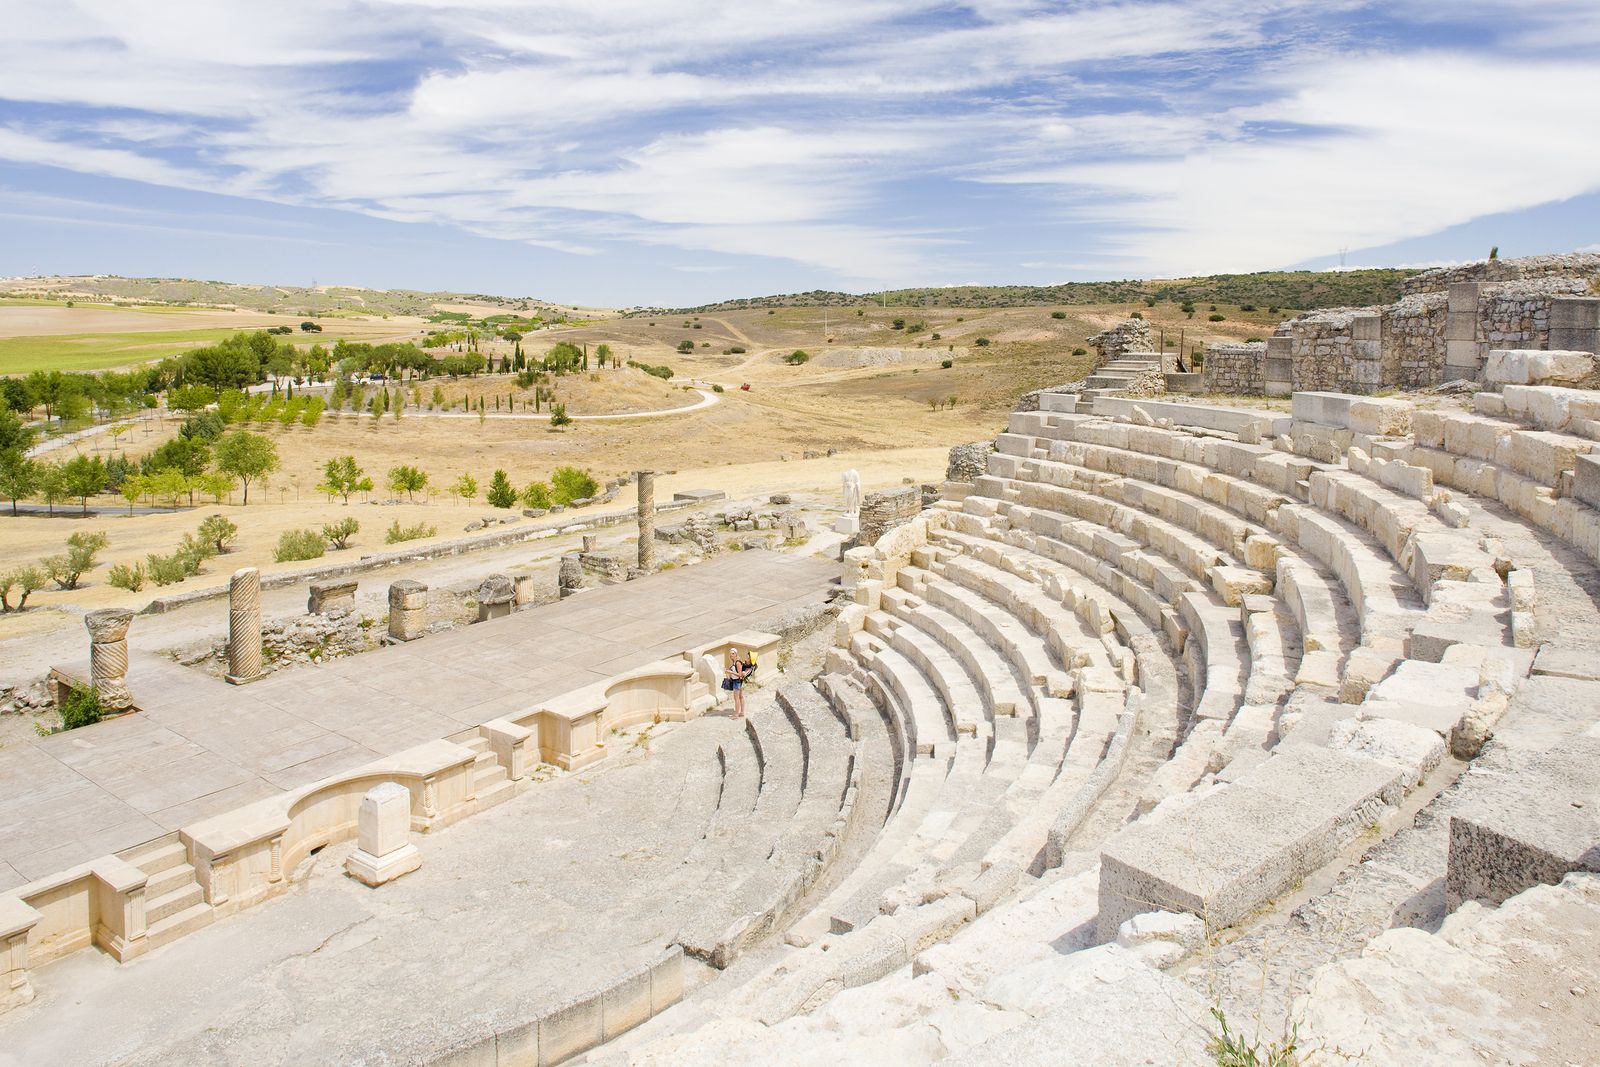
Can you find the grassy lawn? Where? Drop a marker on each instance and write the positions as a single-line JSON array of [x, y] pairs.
[[99, 351]]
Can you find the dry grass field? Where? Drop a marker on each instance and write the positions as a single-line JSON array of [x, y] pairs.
[[890, 421]]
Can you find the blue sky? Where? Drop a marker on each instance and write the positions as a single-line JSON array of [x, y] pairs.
[[625, 152]]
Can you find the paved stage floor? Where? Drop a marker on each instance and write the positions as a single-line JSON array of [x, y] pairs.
[[200, 746]]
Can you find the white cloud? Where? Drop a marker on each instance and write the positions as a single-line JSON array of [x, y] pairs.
[[792, 130], [1397, 146]]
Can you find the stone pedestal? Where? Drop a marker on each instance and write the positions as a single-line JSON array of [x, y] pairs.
[[384, 850], [331, 596], [849, 525], [647, 520], [244, 626], [108, 656], [590, 542], [408, 610], [17, 921], [497, 596], [527, 589], [569, 579]]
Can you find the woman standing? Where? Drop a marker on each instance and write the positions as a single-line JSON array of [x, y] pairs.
[[739, 669]]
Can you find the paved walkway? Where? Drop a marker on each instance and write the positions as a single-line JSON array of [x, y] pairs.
[[199, 746], [555, 893]]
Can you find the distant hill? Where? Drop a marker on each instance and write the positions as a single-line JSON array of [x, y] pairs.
[[1299, 289], [288, 299]]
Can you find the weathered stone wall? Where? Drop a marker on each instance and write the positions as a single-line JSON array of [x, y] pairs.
[[1414, 341], [1237, 369], [1570, 265], [883, 511], [1130, 335], [1517, 314], [1322, 349]]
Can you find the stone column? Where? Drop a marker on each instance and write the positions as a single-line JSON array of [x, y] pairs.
[[108, 655], [408, 610], [384, 850], [331, 596], [244, 626], [647, 520]]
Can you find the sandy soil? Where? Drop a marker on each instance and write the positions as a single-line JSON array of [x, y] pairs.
[[46, 320]]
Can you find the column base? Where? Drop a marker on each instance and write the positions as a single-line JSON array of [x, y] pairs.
[[376, 870]]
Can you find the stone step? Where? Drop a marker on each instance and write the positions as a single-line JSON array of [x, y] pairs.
[[166, 880], [997, 685], [158, 856], [179, 923], [929, 719], [181, 898]]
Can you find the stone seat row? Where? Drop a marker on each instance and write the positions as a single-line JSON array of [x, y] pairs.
[[809, 784]]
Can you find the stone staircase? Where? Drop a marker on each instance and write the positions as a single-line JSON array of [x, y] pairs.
[[174, 903], [1114, 378]]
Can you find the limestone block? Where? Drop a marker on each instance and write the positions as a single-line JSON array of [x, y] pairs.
[[496, 596], [1490, 404], [331, 596], [1586, 479], [408, 610], [1536, 827], [1539, 367], [1415, 750], [1427, 429], [1326, 409], [1242, 845], [1364, 668], [1380, 417], [1234, 583], [384, 850]]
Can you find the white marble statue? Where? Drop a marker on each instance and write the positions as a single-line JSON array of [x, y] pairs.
[[852, 492]]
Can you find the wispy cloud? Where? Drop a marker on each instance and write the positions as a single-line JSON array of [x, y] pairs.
[[870, 141]]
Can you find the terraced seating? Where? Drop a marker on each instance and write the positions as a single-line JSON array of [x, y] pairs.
[[805, 752], [1341, 623]]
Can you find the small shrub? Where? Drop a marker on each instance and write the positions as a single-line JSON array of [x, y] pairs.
[[715, 388], [82, 708], [218, 532], [797, 357], [536, 495], [982, 342], [1149, 301], [26, 581], [947, 364], [1247, 307], [339, 533], [397, 533], [67, 568], [935, 337], [1216, 317], [1136, 315], [559, 416], [737, 350], [898, 324], [685, 346], [1058, 314], [296, 545], [1080, 351], [1229, 1049], [167, 570], [131, 578], [569, 483]]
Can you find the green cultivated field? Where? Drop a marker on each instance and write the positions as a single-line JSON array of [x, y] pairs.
[[99, 351]]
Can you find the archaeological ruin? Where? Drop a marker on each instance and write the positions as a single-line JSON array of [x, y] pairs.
[[1164, 720]]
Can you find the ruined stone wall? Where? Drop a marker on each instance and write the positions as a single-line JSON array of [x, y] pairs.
[[1570, 265], [1517, 314], [1130, 335], [1239, 369], [1414, 341], [1322, 349]]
